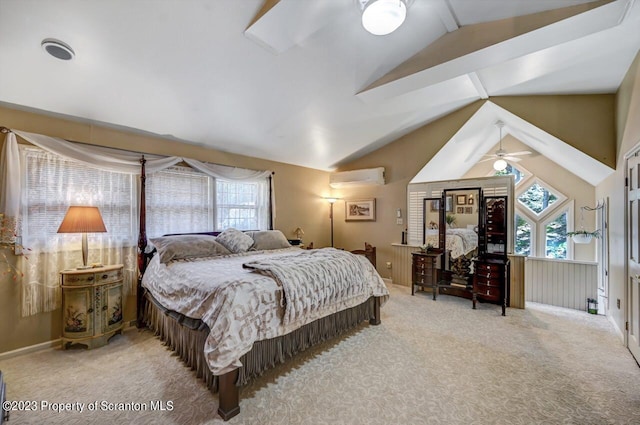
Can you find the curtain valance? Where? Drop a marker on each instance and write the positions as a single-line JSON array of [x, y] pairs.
[[103, 158]]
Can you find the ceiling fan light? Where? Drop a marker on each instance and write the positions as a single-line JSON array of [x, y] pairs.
[[500, 165], [382, 17]]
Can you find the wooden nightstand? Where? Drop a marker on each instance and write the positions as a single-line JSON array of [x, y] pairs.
[[424, 271], [91, 305], [490, 281]]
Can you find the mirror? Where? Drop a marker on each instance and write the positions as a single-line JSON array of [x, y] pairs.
[[460, 234], [431, 222]]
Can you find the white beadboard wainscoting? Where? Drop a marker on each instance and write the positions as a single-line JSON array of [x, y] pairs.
[[563, 283]]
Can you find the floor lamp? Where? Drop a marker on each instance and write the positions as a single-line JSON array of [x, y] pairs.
[[331, 202]]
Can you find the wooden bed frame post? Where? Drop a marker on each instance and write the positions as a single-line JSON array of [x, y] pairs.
[[142, 245], [375, 320], [228, 395]]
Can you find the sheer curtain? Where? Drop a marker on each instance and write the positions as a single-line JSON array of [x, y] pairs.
[[99, 176], [50, 183]]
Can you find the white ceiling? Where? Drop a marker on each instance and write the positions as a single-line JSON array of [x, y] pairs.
[[305, 83]]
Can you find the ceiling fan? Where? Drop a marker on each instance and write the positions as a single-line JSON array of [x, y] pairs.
[[501, 156]]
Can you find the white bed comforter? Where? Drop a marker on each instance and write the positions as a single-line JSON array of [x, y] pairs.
[[239, 305]]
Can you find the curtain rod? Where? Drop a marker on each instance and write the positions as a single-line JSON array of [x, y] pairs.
[[5, 130]]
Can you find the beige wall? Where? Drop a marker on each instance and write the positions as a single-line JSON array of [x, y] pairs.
[[298, 190], [586, 122], [561, 180], [628, 136], [402, 160]]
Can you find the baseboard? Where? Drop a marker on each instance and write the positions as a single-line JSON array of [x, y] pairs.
[[30, 349], [616, 328], [387, 280], [49, 344]]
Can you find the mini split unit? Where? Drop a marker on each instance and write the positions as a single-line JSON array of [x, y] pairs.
[[366, 177]]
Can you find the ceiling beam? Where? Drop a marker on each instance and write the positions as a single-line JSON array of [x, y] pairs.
[[446, 14], [482, 92], [474, 47]]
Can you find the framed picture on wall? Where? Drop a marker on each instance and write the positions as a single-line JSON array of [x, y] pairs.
[[360, 210], [470, 200], [461, 200], [459, 210], [468, 210]]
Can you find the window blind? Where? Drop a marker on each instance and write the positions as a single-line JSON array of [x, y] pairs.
[[52, 183], [179, 200]]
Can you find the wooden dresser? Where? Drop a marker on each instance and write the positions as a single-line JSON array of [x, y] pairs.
[[91, 305], [424, 271], [490, 281]]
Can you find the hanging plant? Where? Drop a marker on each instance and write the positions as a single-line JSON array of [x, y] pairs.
[[582, 236]]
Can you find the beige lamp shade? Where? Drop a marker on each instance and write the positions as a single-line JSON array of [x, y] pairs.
[[82, 220]]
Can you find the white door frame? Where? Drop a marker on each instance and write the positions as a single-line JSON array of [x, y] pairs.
[[625, 302]]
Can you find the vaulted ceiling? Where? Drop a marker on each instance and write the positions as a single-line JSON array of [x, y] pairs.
[[302, 82]]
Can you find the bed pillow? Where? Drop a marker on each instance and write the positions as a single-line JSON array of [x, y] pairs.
[[187, 246], [235, 240], [268, 239]]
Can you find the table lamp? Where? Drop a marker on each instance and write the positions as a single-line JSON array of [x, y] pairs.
[[82, 220]]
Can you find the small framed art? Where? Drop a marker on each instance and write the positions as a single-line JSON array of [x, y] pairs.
[[360, 210]]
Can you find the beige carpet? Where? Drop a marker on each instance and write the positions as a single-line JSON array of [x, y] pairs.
[[428, 363]]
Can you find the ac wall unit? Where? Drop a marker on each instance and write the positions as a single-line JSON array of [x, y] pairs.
[[366, 177]]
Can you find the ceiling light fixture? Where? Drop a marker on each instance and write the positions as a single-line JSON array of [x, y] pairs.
[[382, 17], [58, 49], [500, 164]]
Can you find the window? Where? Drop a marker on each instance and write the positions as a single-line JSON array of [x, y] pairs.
[[179, 200], [519, 174], [52, 183], [556, 237], [524, 236], [243, 205], [539, 198]]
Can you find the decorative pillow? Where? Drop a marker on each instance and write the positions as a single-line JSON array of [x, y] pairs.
[[187, 246], [235, 240], [268, 239]]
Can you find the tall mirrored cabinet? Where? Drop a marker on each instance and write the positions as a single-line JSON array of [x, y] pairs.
[[492, 274]]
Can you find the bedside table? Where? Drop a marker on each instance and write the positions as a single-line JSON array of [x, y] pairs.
[[91, 305], [424, 271]]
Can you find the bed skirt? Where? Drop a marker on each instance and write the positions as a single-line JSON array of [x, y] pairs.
[[187, 336]]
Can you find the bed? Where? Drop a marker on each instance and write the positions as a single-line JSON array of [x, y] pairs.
[[231, 313], [459, 242]]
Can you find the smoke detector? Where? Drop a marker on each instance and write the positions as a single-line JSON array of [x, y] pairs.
[[58, 49]]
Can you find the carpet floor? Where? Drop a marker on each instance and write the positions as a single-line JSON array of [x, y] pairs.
[[429, 362]]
